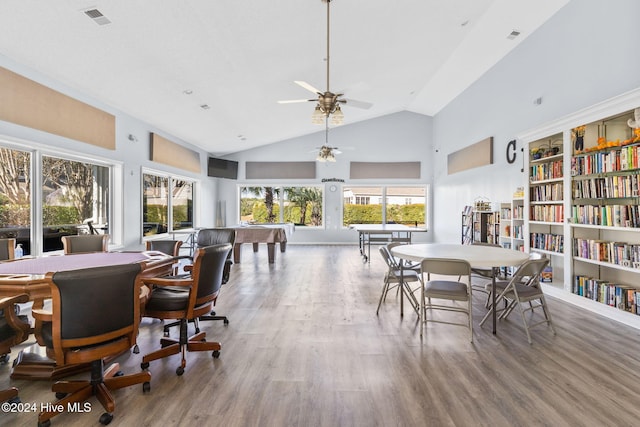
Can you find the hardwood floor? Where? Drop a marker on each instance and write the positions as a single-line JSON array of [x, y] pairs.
[[305, 348]]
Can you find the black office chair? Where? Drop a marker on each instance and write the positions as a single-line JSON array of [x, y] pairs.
[[95, 314], [187, 298], [14, 329], [215, 236]]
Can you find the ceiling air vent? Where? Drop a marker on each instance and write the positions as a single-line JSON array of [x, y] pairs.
[[97, 16], [513, 34]]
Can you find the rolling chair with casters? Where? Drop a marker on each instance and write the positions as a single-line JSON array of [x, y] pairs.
[[95, 314], [83, 243], [14, 330], [214, 236], [187, 298]]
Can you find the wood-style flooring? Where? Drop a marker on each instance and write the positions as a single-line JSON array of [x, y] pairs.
[[304, 347]]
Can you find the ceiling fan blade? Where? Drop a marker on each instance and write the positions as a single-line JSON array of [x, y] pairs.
[[293, 101], [307, 86], [358, 104]]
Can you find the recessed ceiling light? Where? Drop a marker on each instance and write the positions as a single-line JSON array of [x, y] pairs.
[[464, 24], [242, 137], [513, 34], [205, 106], [187, 91]]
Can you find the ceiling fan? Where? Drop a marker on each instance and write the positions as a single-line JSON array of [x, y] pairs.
[[327, 102]]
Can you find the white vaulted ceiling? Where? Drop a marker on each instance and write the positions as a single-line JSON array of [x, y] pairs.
[[240, 57]]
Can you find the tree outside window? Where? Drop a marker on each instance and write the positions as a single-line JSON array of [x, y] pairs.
[[267, 205]]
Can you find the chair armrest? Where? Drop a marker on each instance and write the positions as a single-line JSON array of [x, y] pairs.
[[167, 281], [42, 315]]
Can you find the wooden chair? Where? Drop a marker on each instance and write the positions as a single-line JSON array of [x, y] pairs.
[[14, 329], [95, 314], [187, 298], [169, 247], [454, 290], [83, 243], [7, 247]]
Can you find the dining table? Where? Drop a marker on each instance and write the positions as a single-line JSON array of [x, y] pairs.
[[478, 256]]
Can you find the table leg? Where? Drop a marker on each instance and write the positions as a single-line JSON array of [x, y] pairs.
[[401, 284], [493, 298], [271, 251], [255, 246], [236, 253], [283, 246]]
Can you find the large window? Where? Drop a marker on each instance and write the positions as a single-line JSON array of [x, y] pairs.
[[72, 197], [297, 204], [15, 196], [75, 200], [166, 201], [375, 205]]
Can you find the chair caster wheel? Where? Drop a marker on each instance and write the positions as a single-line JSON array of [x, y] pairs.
[[60, 395], [215, 354], [213, 313], [364, 259], [226, 321], [166, 334], [136, 349], [4, 358], [44, 423], [197, 330], [180, 370], [144, 365], [106, 418], [146, 387]]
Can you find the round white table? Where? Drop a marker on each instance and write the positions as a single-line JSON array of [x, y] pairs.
[[478, 256]]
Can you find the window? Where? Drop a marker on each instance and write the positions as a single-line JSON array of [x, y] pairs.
[[162, 195], [297, 204], [15, 196], [402, 205], [75, 200], [72, 197]]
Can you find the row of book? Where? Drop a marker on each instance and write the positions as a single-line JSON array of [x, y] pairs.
[[616, 186], [620, 159], [547, 241], [543, 171], [607, 215], [620, 296], [618, 253], [546, 192], [547, 213], [517, 231]]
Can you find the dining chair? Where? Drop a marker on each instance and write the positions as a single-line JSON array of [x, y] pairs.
[[479, 276], [524, 287], [169, 247], [95, 313], [446, 289], [7, 247], [83, 243], [14, 330], [187, 298], [392, 279]]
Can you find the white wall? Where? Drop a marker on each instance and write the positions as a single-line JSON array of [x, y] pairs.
[[132, 155], [585, 54], [396, 137]]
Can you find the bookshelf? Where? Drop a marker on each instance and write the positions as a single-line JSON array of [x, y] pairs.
[[605, 213], [467, 225], [545, 203], [512, 222], [486, 226], [582, 206]]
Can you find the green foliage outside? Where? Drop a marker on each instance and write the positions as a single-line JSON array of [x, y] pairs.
[[372, 214], [156, 213], [12, 215]]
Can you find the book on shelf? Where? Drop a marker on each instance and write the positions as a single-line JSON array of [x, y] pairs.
[[547, 274]]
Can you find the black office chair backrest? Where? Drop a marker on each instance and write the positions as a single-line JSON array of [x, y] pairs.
[[209, 265], [97, 301], [169, 247], [6, 249], [214, 236]]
